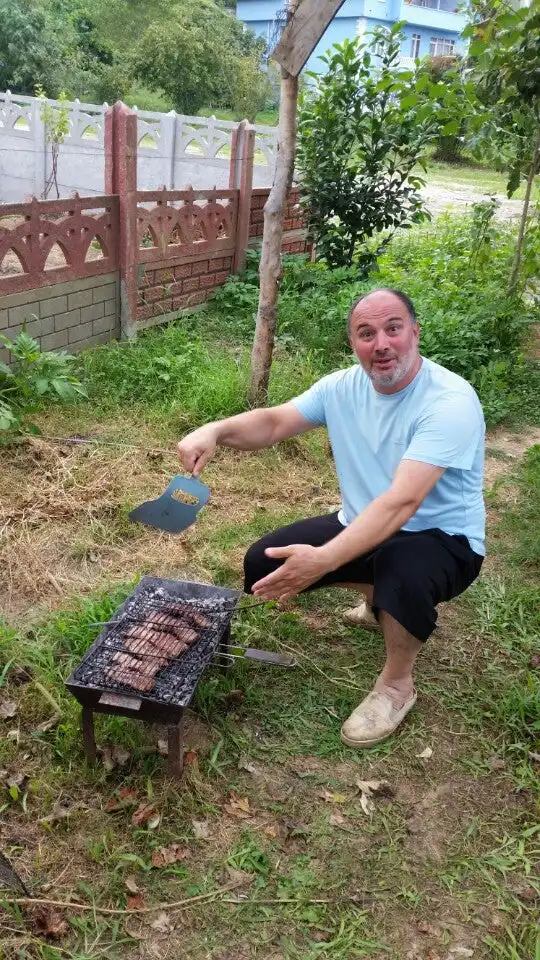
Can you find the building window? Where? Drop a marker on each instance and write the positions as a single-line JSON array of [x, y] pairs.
[[415, 45], [441, 47]]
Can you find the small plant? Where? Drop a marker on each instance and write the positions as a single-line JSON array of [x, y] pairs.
[[363, 130], [33, 377], [56, 122]]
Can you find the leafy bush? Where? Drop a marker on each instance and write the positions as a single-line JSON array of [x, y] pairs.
[[363, 129], [455, 272], [33, 377]]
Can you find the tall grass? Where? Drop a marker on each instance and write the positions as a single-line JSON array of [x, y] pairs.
[[197, 368]]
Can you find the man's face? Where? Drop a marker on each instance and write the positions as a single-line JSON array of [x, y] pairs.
[[385, 341]]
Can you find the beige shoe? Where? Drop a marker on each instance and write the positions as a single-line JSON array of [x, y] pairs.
[[362, 616], [374, 720]]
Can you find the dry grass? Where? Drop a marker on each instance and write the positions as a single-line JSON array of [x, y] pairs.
[[64, 525]]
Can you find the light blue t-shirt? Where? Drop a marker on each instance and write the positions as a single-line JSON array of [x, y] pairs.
[[436, 419]]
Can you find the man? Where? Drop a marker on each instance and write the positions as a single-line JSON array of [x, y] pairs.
[[407, 437]]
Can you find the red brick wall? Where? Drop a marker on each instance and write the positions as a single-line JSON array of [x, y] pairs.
[[170, 286], [293, 223]]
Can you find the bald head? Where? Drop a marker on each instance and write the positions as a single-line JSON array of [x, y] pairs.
[[384, 336], [381, 296]]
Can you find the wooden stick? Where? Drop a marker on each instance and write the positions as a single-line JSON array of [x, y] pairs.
[[72, 905]]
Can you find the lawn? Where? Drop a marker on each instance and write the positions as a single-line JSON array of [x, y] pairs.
[[270, 847]]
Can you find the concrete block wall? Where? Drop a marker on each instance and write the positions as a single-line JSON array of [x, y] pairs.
[[64, 316]]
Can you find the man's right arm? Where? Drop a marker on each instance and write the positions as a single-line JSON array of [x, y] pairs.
[[247, 431]]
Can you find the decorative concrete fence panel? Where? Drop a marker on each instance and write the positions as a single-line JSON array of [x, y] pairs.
[[173, 150], [80, 271]]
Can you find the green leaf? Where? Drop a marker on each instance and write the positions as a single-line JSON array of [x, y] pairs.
[[451, 129]]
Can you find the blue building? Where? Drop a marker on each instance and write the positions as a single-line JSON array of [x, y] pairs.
[[433, 27]]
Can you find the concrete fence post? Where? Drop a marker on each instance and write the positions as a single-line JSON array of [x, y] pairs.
[[241, 179], [121, 179], [168, 146]]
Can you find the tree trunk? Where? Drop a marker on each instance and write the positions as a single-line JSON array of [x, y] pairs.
[[270, 268], [512, 283]]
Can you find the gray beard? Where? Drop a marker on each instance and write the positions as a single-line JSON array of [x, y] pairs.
[[403, 368]]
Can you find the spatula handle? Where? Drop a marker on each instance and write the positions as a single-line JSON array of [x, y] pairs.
[[190, 485]]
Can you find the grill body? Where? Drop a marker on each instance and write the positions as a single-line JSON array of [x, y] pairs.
[[175, 684]]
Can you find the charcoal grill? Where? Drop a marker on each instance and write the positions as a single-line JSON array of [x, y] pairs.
[[102, 686]]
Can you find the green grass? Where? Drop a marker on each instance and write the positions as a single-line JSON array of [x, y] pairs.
[[456, 848], [482, 179]]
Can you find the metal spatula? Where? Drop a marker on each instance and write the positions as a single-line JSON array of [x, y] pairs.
[[169, 513]]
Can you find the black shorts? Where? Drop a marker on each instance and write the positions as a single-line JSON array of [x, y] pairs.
[[411, 572]]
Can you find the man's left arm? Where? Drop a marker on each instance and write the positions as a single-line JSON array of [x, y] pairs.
[[384, 516]]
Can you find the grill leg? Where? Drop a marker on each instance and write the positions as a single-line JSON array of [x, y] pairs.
[[226, 665], [175, 756], [89, 739]]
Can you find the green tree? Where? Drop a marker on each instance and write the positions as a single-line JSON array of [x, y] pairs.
[[31, 47], [363, 130], [505, 63], [194, 55]]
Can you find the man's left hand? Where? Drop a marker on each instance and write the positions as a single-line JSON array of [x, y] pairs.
[[303, 566]]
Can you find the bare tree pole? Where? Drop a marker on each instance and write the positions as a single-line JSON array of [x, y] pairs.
[[270, 267], [512, 283], [306, 22]]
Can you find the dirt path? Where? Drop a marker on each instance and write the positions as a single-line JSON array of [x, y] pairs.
[[460, 197]]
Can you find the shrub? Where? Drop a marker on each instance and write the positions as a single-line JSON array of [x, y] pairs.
[[34, 376], [455, 272]]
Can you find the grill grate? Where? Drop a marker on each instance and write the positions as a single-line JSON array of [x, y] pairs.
[[129, 657]]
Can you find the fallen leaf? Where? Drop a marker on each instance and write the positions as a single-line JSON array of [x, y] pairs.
[[461, 952], [143, 813], [8, 709], [162, 923], [171, 854], [496, 763], [238, 877], [270, 832], [13, 735], [238, 806], [163, 747], [60, 811], [191, 759], [134, 929], [245, 764], [135, 903], [337, 820], [372, 788], [106, 758], [426, 754], [18, 780], [427, 928], [47, 921], [201, 829], [154, 821], [535, 757], [331, 797], [126, 797], [534, 662], [46, 725], [120, 755], [131, 885]]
